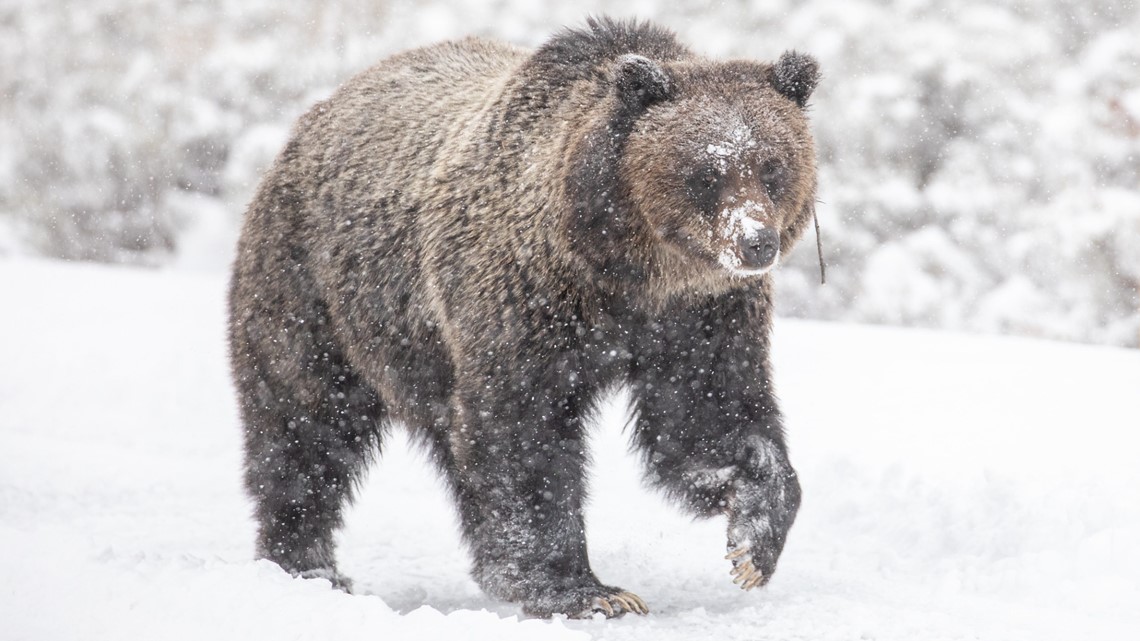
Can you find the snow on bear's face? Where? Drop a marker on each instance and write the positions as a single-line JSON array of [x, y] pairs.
[[724, 174]]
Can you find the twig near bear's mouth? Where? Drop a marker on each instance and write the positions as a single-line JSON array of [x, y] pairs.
[[819, 249]]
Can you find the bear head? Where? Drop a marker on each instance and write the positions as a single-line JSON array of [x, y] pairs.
[[719, 165]]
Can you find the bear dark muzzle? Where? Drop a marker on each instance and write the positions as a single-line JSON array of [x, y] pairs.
[[759, 250]]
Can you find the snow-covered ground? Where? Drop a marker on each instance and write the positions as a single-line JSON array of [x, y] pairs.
[[956, 487]]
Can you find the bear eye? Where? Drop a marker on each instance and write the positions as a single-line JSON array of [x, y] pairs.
[[772, 174], [704, 187]]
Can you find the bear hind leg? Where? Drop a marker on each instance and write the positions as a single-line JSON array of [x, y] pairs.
[[305, 452]]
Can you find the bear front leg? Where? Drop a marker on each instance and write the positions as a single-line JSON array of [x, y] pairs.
[[710, 430], [761, 500], [517, 464], [745, 476]]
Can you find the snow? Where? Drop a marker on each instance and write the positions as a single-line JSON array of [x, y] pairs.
[[955, 487], [731, 150]]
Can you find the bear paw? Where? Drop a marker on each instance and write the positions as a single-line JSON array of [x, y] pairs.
[[746, 575], [585, 602]]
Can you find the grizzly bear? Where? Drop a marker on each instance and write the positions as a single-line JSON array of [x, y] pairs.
[[476, 241]]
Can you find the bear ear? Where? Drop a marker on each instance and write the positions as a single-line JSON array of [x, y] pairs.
[[641, 82], [795, 75]]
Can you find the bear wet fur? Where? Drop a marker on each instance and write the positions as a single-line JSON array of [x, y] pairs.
[[476, 241]]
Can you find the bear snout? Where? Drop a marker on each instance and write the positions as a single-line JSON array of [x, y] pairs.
[[751, 243], [758, 250]]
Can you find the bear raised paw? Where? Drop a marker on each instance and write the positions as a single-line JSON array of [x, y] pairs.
[[475, 240]]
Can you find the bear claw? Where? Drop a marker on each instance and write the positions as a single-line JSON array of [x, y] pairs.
[[624, 602], [745, 574], [737, 553]]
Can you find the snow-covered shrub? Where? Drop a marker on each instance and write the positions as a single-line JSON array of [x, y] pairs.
[[115, 110]]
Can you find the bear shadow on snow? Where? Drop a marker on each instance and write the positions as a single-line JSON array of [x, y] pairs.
[[475, 240]]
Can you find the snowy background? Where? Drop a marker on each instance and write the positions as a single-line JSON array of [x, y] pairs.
[[980, 171], [980, 159]]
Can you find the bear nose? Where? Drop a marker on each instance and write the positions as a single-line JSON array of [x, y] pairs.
[[759, 250]]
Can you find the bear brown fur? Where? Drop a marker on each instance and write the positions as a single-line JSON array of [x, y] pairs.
[[476, 241]]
